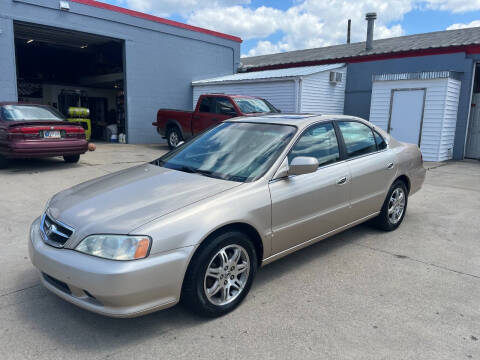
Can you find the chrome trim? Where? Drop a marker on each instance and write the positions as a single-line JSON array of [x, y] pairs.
[[55, 231]]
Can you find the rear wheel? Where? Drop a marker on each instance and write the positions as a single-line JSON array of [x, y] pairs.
[[71, 158], [174, 137], [3, 162], [220, 275], [394, 207]]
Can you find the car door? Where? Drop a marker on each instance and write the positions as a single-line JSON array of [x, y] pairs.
[[210, 113], [204, 117], [307, 206], [372, 167]]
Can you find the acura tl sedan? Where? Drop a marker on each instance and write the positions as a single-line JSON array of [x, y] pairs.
[[196, 224]]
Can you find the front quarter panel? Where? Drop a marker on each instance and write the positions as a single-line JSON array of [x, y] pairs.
[[248, 203]]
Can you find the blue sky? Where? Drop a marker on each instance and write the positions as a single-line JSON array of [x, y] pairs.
[[270, 26]]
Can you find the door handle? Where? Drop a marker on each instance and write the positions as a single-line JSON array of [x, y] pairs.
[[342, 181], [390, 166]]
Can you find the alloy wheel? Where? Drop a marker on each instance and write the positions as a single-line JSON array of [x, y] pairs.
[[396, 205], [226, 275]]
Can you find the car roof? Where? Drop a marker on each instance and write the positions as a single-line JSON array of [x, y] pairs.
[[298, 120]]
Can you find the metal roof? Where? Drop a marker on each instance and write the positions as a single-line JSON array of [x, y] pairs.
[[433, 40], [271, 74]]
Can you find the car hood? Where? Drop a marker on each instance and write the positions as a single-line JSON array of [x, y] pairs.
[[121, 202]]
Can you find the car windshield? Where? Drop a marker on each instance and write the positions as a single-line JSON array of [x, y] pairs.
[[30, 112], [251, 106], [233, 151]]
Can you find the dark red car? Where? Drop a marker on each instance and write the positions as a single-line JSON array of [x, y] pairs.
[[33, 131]]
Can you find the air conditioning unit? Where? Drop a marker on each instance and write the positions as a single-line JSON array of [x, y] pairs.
[[335, 77]]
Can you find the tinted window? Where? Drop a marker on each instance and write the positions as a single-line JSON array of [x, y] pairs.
[[381, 143], [251, 106], [231, 151], [319, 142], [205, 105], [224, 106], [358, 138]]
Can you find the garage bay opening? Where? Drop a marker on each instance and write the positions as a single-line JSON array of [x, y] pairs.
[[472, 149], [80, 74]]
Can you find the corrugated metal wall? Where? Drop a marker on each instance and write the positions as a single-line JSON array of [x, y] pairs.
[[318, 95], [280, 93], [440, 114]]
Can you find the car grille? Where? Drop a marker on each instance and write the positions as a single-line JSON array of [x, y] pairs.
[[55, 233]]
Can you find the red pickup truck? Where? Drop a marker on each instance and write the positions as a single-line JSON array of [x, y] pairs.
[[211, 109]]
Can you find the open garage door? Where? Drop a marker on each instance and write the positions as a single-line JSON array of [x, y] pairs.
[[472, 149], [67, 69]]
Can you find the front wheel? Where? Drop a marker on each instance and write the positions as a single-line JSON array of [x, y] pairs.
[[71, 158], [394, 207], [220, 275]]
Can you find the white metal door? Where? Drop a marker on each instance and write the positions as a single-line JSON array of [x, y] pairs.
[[473, 137], [406, 114]]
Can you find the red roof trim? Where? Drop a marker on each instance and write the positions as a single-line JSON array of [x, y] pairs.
[[157, 19], [469, 49]]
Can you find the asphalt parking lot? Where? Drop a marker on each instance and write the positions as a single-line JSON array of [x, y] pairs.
[[363, 294]]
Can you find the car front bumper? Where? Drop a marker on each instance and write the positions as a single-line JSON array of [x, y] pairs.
[[109, 287]]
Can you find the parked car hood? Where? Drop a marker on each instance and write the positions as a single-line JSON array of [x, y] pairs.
[[121, 202]]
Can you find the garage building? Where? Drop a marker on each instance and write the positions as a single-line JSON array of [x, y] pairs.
[[312, 89], [121, 64], [419, 87]]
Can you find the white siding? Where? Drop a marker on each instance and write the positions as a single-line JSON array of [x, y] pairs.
[[440, 114], [450, 120], [280, 93], [318, 95]]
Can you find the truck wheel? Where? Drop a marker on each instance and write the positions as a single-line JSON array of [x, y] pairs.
[[3, 162], [173, 137], [71, 158]]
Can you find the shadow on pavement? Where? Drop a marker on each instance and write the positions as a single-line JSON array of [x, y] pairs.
[[77, 329]]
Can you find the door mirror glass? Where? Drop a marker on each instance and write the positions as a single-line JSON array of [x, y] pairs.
[[303, 165]]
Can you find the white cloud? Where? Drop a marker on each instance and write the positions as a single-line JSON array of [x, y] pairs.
[[474, 23], [306, 24], [455, 6]]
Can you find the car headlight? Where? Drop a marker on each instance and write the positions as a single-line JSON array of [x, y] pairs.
[[115, 247]]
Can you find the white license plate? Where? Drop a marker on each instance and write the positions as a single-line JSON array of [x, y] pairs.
[[55, 134]]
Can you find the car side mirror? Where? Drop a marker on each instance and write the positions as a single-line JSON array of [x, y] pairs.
[[303, 165]]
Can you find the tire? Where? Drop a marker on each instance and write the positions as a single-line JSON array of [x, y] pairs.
[[173, 137], [391, 220], [228, 287], [71, 158], [3, 162]]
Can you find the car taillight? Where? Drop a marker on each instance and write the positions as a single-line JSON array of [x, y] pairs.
[[23, 133], [75, 132]]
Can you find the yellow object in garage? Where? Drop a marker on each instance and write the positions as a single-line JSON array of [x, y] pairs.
[[86, 124], [78, 115]]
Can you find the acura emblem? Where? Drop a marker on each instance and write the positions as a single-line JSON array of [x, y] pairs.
[[51, 229]]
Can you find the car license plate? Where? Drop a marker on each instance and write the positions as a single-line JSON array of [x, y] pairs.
[[55, 134]]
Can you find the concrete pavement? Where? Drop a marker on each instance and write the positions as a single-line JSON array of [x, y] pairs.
[[363, 294]]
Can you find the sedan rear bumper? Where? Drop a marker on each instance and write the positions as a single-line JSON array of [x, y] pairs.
[[39, 148], [108, 287]]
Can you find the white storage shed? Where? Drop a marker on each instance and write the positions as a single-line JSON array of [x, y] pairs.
[[311, 89], [419, 108]]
